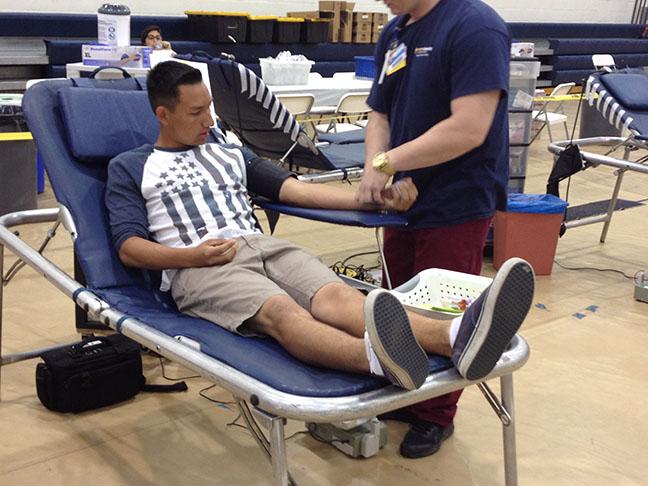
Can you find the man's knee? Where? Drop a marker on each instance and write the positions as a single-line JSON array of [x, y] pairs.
[[334, 294], [275, 314]]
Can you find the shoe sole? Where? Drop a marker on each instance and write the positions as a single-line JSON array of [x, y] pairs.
[[505, 307], [403, 360]]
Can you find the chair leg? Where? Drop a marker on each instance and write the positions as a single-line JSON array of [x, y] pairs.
[[278, 449], [508, 431], [567, 137], [612, 205], [549, 132], [384, 262]]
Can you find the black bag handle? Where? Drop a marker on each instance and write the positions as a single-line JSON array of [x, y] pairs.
[[103, 68]]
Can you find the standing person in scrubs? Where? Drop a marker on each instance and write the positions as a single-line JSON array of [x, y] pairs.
[[440, 117]]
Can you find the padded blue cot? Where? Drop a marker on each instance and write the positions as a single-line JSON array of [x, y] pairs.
[[78, 125], [621, 97]]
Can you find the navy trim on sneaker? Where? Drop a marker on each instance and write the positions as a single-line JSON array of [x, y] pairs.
[[401, 358], [490, 323]]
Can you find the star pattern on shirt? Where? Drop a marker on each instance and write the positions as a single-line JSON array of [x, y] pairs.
[[181, 176]]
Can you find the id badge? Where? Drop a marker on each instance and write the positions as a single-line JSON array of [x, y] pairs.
[[397, 59]]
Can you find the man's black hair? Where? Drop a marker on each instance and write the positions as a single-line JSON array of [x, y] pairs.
[[147, 30], [163, 81]]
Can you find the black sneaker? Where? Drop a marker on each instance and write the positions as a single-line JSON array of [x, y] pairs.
[[401, 358], [424, 439], [490, 323]]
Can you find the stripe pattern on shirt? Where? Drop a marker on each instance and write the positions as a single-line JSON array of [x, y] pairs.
[[196, 194]]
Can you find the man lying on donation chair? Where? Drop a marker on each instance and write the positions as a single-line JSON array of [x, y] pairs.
[[182, 206]]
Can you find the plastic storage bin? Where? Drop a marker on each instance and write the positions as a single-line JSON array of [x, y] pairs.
[[522, 81], [217, 26], [516, 185], [260, 28], [365, 67], [315, 31], [288, 30], [518, 161], [521, 93], [519, 128], [529, 229], [280, 72], [436, 291], [18, 179]]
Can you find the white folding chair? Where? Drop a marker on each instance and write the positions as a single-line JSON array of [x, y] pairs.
[[552, 112], [350, 114], [297, 104], [603, 61]]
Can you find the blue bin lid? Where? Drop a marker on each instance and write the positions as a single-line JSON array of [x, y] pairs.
[[536, 204]]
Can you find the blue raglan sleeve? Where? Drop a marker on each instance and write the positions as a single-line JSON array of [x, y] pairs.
[[124, 200], [480, 62]]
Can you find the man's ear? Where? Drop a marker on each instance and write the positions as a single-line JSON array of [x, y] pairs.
[[162, 114]]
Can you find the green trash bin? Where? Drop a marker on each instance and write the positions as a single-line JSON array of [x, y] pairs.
[[17, 158]]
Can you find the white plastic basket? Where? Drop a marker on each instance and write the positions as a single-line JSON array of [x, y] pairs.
[[284, 72], [428, 292]]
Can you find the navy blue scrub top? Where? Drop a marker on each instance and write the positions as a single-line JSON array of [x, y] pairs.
[[460, 47]]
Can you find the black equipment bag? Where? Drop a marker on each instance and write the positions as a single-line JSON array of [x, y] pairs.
[[96, 372]]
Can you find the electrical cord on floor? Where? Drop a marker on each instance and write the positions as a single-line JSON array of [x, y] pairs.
[[213, 400], [358, 272], [172, 378], [360, 254], [596, 269]]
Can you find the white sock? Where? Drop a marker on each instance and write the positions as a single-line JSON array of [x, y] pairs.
[[454, 329], [374, 364]]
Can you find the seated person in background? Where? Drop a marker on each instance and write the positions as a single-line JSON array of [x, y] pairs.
[[152, 37], [182, 206]]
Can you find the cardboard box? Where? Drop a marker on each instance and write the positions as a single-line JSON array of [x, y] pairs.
[[311, 14], [120, 56], [380, 18], [359, 17], [334, 18], [362, 37], [362, 27], [346, 26], [330, 6]]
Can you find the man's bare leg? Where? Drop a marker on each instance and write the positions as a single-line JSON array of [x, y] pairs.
[[388, 349], [308, 339], [341, 306]]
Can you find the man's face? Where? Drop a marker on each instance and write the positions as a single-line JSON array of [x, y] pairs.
[[189, 122], [401, 7]]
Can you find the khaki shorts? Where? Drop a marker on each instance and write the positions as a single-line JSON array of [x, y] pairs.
[[263, 266]]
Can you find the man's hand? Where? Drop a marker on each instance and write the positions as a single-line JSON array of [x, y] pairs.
[[370, 190], [401, 195], [214, 252]]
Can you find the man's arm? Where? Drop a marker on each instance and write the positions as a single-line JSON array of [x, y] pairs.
[[464, 130], [142, 253], [399, 196]]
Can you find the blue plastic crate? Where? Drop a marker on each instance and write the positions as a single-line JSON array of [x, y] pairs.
[[365, 67]]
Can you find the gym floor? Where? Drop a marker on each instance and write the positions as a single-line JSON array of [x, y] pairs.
[[580, 400]]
